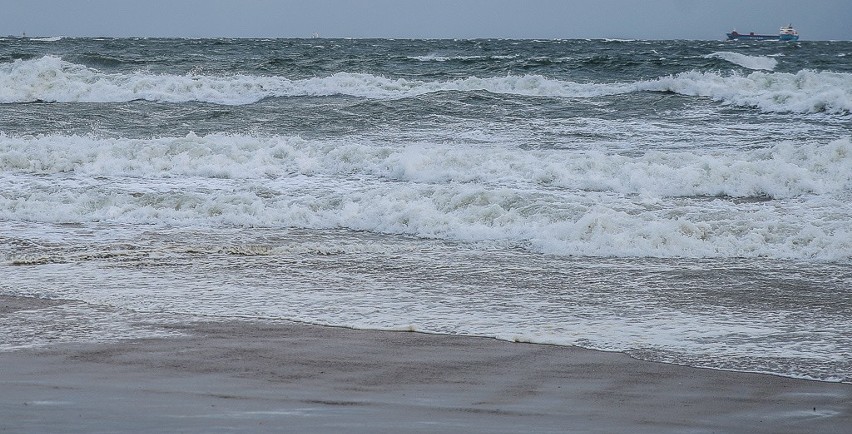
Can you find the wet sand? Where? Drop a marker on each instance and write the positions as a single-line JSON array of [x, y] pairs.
[[288, 377]]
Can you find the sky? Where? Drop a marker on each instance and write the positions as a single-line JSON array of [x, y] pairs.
[[545, 19]]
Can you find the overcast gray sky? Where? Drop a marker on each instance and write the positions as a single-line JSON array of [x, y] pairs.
[[638, 19]]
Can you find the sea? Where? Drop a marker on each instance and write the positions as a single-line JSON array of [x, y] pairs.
[[686, 202]]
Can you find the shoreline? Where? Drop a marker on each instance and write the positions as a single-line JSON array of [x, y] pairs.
[[222, 376]]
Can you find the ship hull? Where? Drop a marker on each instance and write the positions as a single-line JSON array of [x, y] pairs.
[[753, 37]]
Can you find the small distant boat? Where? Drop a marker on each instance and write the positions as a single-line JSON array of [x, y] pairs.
[[787, 33]]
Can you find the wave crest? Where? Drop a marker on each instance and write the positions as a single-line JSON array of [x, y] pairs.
[[783, 171], [51, 79], [750, 62], [794, 197], [803, 92]]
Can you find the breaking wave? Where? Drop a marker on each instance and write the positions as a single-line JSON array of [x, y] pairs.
[[803, 92], [788, 201], [50, 79], [750, 62], [783, 171], [47, 39], [450, 58]]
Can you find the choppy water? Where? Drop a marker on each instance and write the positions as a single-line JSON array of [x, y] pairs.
[[682, 201]]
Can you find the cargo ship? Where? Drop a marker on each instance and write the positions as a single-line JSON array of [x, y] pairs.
[[787, 33]]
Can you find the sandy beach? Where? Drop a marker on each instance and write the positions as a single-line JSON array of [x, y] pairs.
[[287, 377]]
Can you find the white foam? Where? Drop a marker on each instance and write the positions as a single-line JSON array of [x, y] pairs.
[[48, 39], [51, 79], [750, 62], [783, 171], [589, 203], [803, 92], [447, 58], [439, 58]]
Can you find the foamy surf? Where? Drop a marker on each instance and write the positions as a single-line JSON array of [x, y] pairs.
[[784, 171], [628, 196], [803, 92], [48, 39], [51, 79], [750, 62], [680, 204]]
